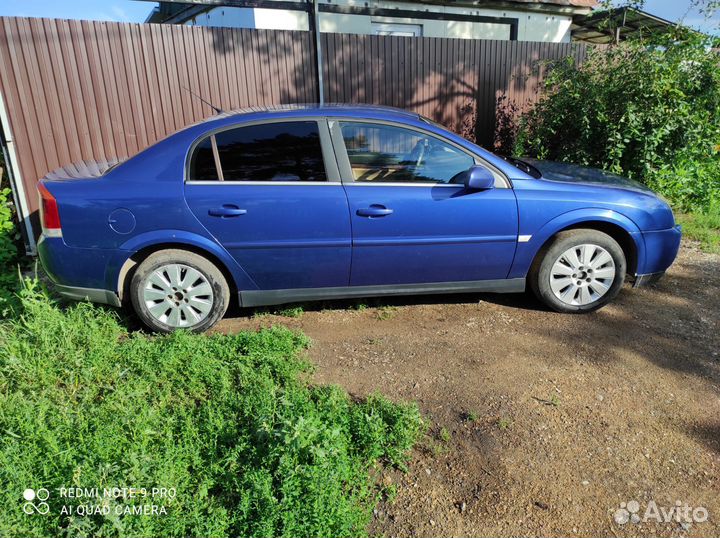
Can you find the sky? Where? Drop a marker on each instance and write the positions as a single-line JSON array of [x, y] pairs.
[[137, 11], [675, 10], [101, 10]]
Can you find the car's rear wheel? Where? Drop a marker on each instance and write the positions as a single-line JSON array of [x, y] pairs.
[[581, 271], [177, 289]]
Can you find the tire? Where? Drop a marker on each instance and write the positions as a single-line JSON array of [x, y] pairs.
[[582, 282], [176, 289]]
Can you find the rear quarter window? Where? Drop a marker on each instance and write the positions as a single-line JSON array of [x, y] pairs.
[[202, 163]]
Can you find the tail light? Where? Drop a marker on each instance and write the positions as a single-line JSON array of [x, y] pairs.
[[49, 214]]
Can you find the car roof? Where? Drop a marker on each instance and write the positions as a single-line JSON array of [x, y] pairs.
[[227, 119], [314, 109]]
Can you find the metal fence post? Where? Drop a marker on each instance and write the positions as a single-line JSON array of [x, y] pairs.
[[318, 52]]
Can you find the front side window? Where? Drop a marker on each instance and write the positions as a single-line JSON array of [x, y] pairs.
[[381, 153], [282, 151]]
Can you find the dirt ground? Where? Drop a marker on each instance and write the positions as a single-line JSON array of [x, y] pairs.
[[542, 423]]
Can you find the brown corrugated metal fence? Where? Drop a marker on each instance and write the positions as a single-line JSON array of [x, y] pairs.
[[78, 90], [439, 78]]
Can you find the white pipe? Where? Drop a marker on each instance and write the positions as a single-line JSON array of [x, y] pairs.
[[16, 183], [318, 49]]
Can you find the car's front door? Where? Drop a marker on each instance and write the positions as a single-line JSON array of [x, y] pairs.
[[270, 194], [410, 223]]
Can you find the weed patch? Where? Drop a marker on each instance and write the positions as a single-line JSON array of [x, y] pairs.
[[228, 420], [703, 227]]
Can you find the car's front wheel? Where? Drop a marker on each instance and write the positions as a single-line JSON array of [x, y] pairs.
[[580, 271], [176, 289]]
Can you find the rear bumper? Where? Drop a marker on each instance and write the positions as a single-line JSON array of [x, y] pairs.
[[94, 295], [77, 273]]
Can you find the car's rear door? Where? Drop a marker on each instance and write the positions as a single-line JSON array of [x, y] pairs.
[[411, 224], [269, 192]]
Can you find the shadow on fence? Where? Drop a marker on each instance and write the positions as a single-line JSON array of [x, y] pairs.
[[81, 90]]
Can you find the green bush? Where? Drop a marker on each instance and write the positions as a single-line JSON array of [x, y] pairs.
[[228, 421], [691, 185], [646, 110], [9, 255]]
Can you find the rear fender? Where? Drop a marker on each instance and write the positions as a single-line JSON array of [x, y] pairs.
[[174, 239]]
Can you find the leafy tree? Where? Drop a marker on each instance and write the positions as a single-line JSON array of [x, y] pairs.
[[646, 110]]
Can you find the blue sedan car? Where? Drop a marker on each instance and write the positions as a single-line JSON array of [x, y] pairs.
[[300, 203]]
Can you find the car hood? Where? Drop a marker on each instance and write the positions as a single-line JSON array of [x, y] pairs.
[[572, 173]]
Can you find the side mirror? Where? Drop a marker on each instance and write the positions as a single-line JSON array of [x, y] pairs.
[[479, 178]]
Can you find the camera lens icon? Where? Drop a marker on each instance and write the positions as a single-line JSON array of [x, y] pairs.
[[40, 507]]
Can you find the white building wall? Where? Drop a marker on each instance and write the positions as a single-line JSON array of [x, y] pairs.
[[362, 24], [532, 26], [544, 27], [280, 19], [259, 18]]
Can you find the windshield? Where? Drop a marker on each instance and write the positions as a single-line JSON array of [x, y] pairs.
[[524, 167]]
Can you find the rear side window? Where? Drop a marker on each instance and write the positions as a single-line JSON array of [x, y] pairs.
[[286, 151], [202, 164]]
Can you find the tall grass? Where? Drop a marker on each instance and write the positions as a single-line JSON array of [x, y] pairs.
[[230, 422], [703, 227]]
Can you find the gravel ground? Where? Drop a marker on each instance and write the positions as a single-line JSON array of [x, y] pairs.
[[542, 423]]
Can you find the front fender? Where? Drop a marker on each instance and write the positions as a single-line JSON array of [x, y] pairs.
[[179, 238], [526, 251]]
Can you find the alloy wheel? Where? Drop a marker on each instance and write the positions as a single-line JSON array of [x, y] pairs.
[[582, 274], [178, 295]]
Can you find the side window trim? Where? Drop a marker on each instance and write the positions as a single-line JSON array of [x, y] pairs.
[[341, 154], [332, 172], [216, 157], [343, 160]]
